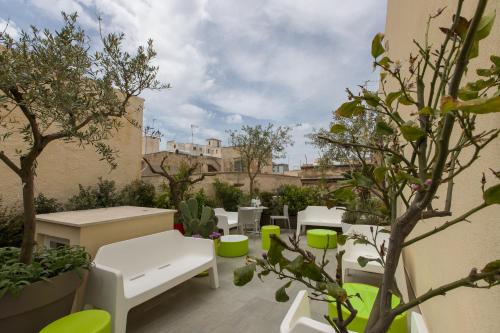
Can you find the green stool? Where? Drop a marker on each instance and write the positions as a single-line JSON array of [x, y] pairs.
[[88, 321], [368, 294], [267, 231], [233, 246], [321, 238]]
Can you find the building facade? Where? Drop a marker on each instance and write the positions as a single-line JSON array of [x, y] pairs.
[[450, 255]]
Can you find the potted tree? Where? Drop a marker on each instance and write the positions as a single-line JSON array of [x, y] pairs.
[[54, 88]]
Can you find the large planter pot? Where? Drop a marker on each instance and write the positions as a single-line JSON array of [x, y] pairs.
[[38, 304]]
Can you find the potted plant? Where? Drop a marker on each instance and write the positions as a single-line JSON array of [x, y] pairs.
[[199, 224], [33, 295]]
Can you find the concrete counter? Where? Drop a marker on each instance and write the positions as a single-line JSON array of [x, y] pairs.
[[94, 228]]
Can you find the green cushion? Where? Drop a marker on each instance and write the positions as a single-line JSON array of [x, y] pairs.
[[321, 238], [233, 246], [364, 306], [266, 231], [88, 321]]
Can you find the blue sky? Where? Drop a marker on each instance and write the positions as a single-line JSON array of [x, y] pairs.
[[234, 62]]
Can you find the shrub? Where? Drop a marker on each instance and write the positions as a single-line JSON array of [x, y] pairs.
[[45, 205], [47, 263], [162, 198], [11, 226], [298, 198], [103, 195], [227, 195], [138, 193]]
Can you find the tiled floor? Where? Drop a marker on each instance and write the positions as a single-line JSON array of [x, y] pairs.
[[194, 307]]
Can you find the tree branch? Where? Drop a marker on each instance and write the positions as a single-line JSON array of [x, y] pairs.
[[468, 281], [445, 225], [10, 163]]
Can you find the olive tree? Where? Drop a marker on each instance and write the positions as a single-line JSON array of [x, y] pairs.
[[258, 145], [419, 159], [56, 89]]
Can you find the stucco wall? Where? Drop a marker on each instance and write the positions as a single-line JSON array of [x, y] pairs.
[[451, 254], [62, 166]]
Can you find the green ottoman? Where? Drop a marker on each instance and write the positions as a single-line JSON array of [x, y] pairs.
[[88, 321], [321, 238], [233, 246], [267, 231], [368, 294]]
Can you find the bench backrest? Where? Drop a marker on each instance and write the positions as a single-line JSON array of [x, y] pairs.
[[136, 255], [317, 211], [220, 211]]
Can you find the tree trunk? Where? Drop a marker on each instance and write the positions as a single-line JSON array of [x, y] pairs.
[[28, 243], [251, 186]]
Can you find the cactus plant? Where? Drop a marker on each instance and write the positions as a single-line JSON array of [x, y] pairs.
[[201, 223]]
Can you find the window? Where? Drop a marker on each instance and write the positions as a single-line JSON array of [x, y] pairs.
[[237, 166]]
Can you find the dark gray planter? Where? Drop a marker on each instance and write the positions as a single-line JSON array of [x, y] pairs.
[[39, 304]]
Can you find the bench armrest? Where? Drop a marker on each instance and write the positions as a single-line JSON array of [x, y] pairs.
[[105, 286]]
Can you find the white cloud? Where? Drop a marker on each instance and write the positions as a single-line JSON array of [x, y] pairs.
[[234, 119], [9, 27], [232, 61]]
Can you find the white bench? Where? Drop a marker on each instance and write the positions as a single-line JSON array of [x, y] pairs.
[[133, 271], [354, 251], [319, 216], [226, 220]]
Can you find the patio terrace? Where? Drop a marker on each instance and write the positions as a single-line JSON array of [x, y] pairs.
[[194, 307]]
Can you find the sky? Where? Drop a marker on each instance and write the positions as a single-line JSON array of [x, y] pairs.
[[232, 63]]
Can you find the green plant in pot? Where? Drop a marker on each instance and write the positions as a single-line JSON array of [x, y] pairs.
[[199, 223], [55, 88]]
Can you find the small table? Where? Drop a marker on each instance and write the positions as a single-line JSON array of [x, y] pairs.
[[233, 246], [322, 238]]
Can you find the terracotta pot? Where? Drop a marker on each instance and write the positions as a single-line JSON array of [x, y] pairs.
[[38, 304]]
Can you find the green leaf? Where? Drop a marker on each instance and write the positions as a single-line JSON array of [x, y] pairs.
[[484, 72], [391, 97], [363, 261], [362, 180], [243, 275], [371, 99], [495, 60], [312, 271], [428, 111], [377, 48], [383, 128], [385, 61], [411, 132], [465, 94], [448, 104], [343, 194], [485, 25], [462, 26], [275, 253], [492, 267], [481, 105], [406, 100], [492, 195], [295, 266], [281, 295], [338, 128], [336, 291], [346, 109], [341, 239], [379, 173]]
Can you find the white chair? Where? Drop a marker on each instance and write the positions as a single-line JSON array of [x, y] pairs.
[[282, 217], [418, 323], [354, 251], [226, 220], [130, 272], [298, 318], [319, 216], [247, 220]]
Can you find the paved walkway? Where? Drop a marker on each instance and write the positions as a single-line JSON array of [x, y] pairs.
[[194, 307]]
